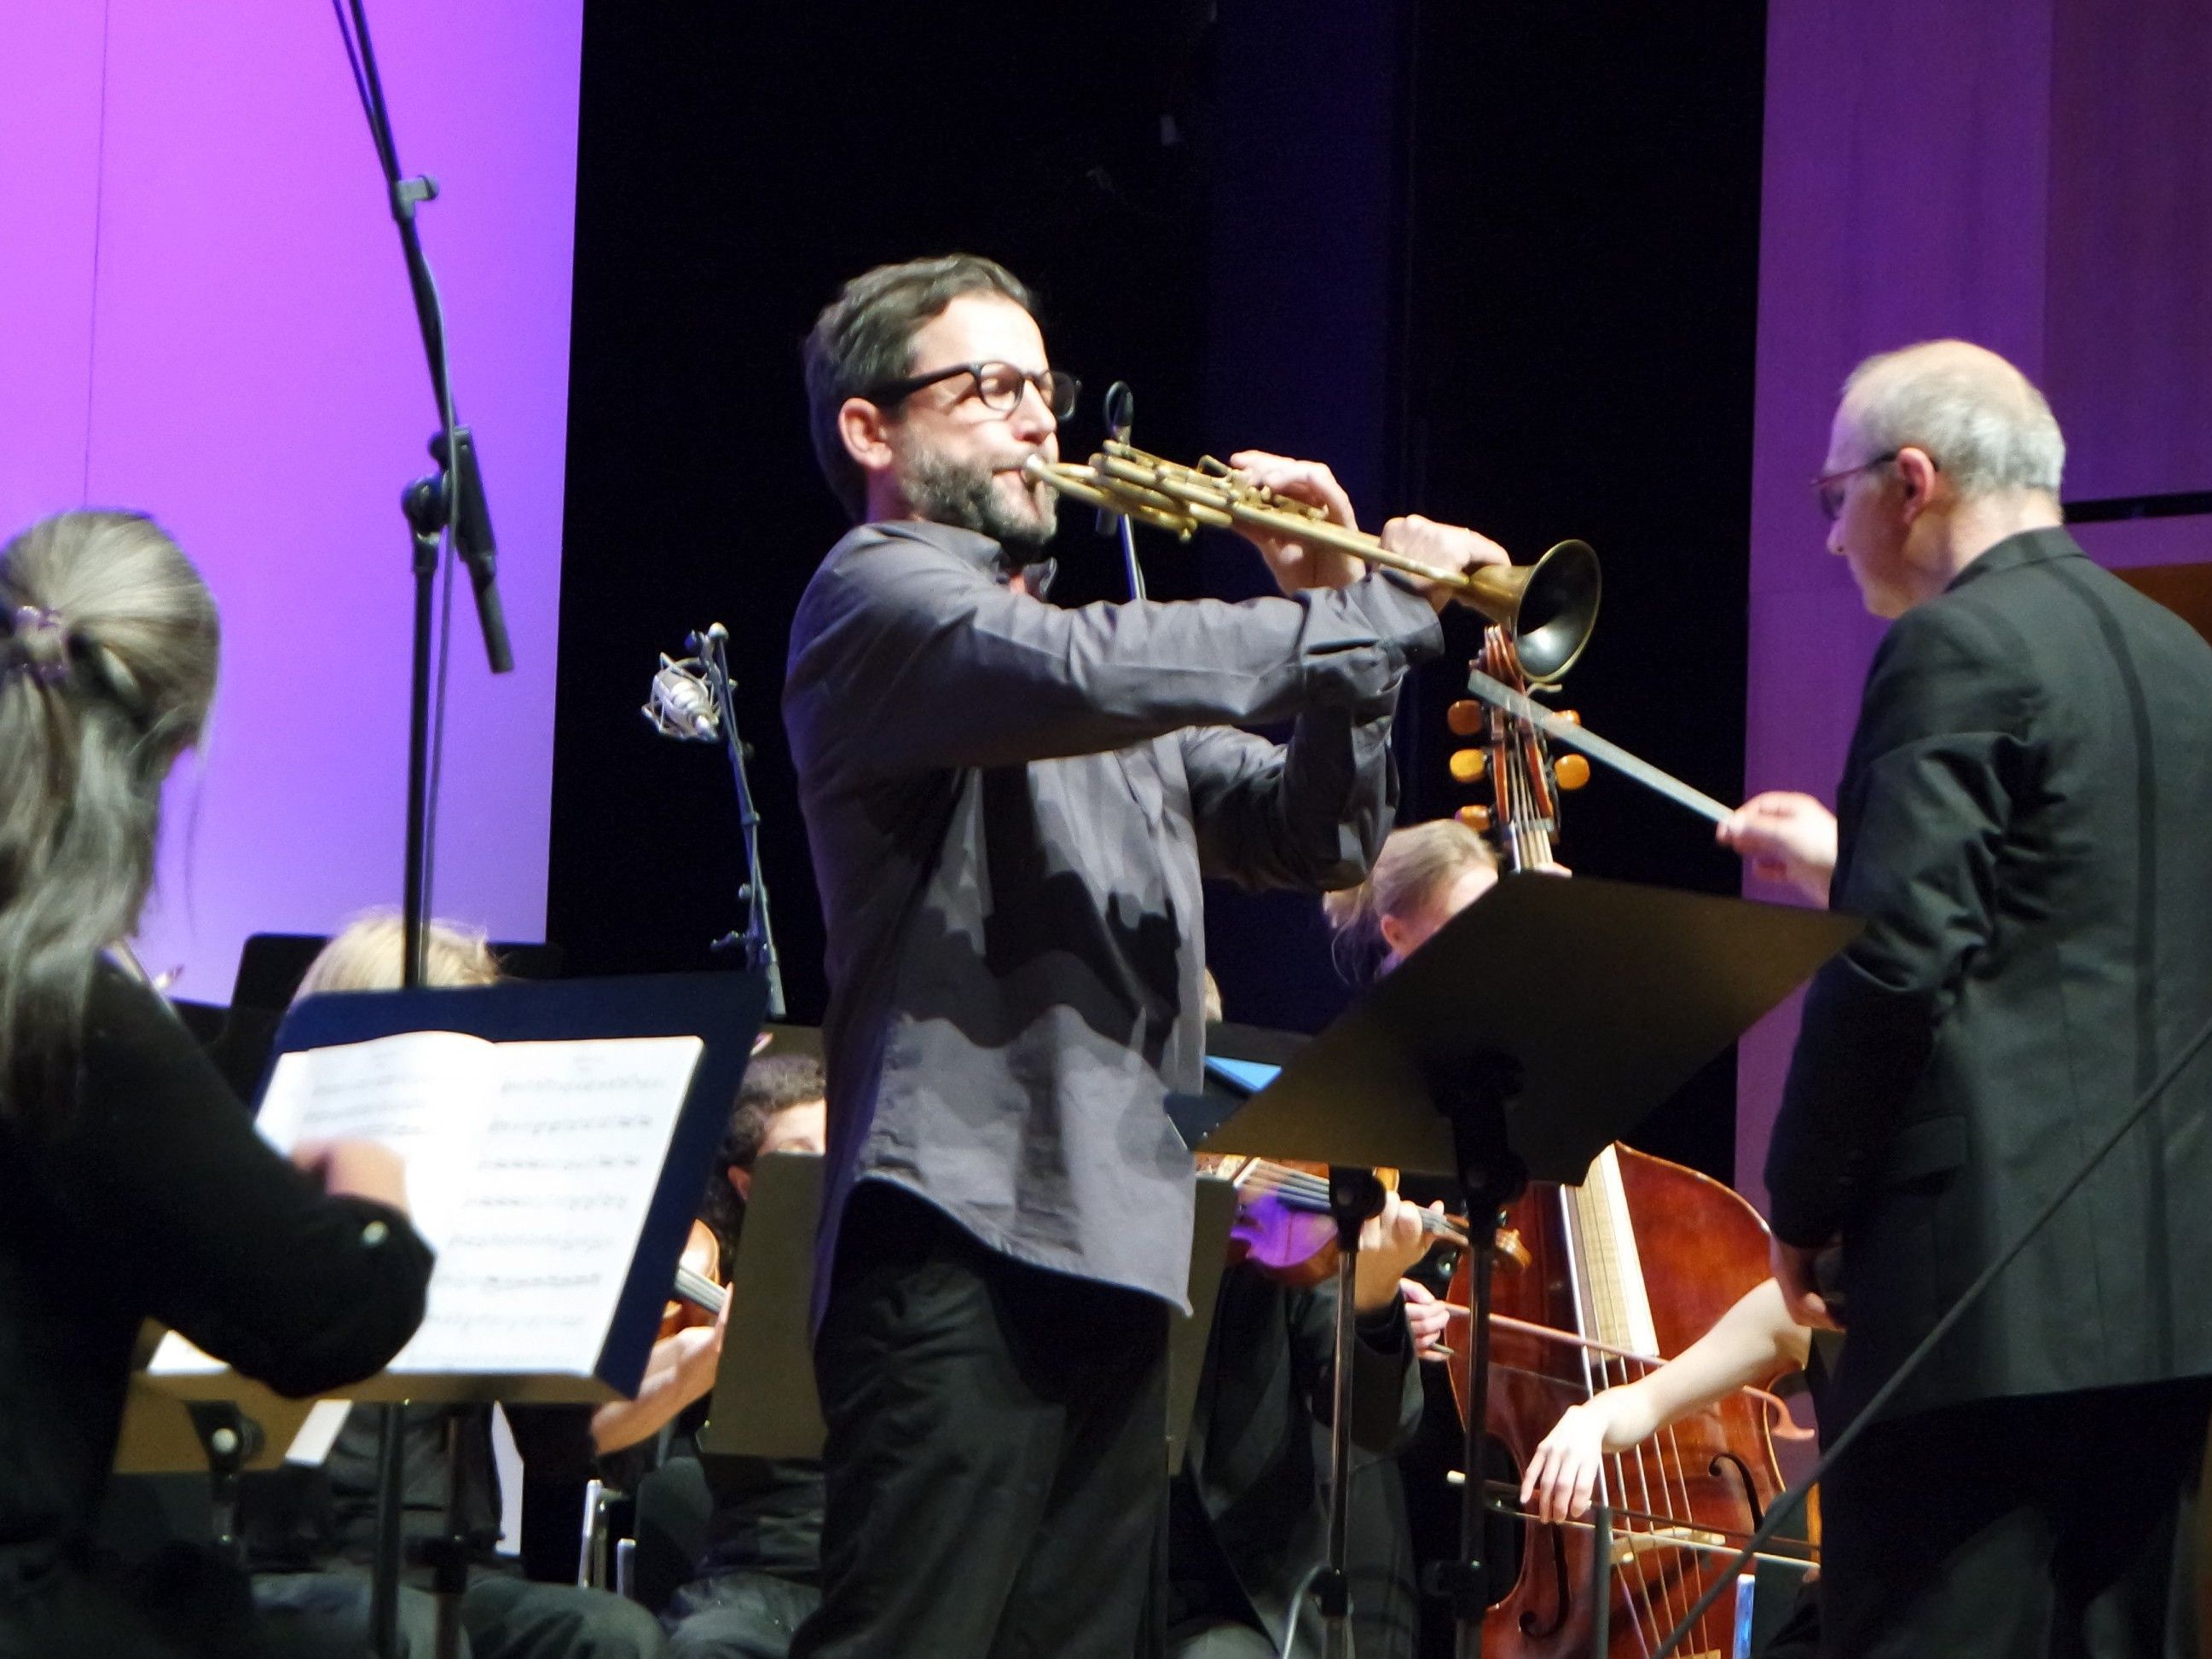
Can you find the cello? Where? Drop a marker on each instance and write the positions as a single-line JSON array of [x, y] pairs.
[[1585, 1305]]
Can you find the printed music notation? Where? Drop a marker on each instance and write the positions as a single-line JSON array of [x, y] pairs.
[[530, 1169]]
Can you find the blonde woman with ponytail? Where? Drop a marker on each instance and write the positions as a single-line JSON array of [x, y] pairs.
[[135, 1185], [1427, 874]]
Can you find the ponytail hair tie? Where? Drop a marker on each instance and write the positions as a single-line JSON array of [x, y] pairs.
[[41, 642]]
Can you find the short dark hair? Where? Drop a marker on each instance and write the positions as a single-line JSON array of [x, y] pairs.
[[865, 337], [773, 1084]]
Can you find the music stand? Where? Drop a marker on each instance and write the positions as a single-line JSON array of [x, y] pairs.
[[722, 1009], [765, 1403], [1533, 1030]]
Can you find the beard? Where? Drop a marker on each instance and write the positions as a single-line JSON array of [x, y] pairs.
[[965, 495]]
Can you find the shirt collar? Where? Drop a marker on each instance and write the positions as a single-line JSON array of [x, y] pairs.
[[2024, 547], [975, 548]]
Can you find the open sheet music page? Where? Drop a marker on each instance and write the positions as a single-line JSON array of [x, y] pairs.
[[529, 1169]]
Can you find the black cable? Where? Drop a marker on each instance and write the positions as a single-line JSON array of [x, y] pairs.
[[1765, 1530], [352, 62]]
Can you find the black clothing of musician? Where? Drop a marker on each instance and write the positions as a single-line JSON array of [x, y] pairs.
[[310, 1534], [2020, 823], [153, 1198], [1247, 1520], [1011, 806]]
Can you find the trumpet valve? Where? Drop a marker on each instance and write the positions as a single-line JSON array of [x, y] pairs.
[[1469, 765], [1570, 771], [1465, 718], [1476, 818]]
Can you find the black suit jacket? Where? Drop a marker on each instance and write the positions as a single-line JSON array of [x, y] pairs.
[[2026, 824], [1251, 1458]]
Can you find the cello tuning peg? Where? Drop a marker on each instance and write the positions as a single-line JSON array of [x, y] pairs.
[[1465, 717], [1469, 765], [1476, 818], [1572, 716], [1572, 771]]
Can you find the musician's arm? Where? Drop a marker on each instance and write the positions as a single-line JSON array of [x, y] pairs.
[[931, 662], [1385, 1381], [679, 1371], [1754, 1340], [227, 1242], [1310, 814], [1940, 756]]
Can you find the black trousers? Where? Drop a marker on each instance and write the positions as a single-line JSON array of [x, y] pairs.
[[325, 1616], [737, 1615], [2034, 1528], [995, 1459]]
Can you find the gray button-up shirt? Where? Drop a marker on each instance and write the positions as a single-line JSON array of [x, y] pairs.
[[1011, 805]]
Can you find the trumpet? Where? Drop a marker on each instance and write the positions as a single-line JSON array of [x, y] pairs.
[[1548, 608]]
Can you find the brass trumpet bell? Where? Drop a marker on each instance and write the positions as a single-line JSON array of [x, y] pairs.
[[1552, 608], [1548, 608]]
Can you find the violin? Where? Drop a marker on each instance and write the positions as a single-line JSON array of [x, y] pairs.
[[1284, 1225], [1622, 1272], [699, 1293]]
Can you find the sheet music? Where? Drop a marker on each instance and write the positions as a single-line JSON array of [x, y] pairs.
[[529, 1169]]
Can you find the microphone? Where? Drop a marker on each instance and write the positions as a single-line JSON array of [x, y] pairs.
[[682, 704], [1120, 414]]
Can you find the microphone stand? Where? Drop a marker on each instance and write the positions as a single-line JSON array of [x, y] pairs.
[[450, 502], [758, 940], [1779, 1513], [1121, 416]]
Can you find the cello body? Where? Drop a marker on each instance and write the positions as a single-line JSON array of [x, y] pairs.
[[1646, 1255]]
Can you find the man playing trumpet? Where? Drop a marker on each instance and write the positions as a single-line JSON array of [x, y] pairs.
[[1011, 806]]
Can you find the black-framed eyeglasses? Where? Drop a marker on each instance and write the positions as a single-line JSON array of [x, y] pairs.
[[998, 388], [1828, 489]]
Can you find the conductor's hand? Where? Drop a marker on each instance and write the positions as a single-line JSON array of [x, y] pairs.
[[1562, 1477], [1390, 1242], [1444, 546], [1794, 1272], [1296, 565], [1786, 837], [356, 1169]]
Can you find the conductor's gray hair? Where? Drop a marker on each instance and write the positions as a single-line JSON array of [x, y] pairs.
[[1982, 420]]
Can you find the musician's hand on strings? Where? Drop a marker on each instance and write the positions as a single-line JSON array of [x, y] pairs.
[[1296, 565], [1390, 1242], [356, 1169], [1785, 837], [1796, 1273], [1427, 1318], [1561, 1479], [679, 1369], [1446, 547]]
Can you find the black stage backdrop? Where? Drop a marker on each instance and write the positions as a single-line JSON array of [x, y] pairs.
[[1495, 263]]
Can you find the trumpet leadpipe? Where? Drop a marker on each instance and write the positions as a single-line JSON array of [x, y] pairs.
[[1549, 607]]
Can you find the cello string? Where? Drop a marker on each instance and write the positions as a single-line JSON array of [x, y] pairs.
[[1690, 1567], [1595, 1300], [1639, 1558]]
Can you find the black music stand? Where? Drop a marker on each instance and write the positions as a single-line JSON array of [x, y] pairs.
[[1535, 1028], [723, 1010], [764, 1402]]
